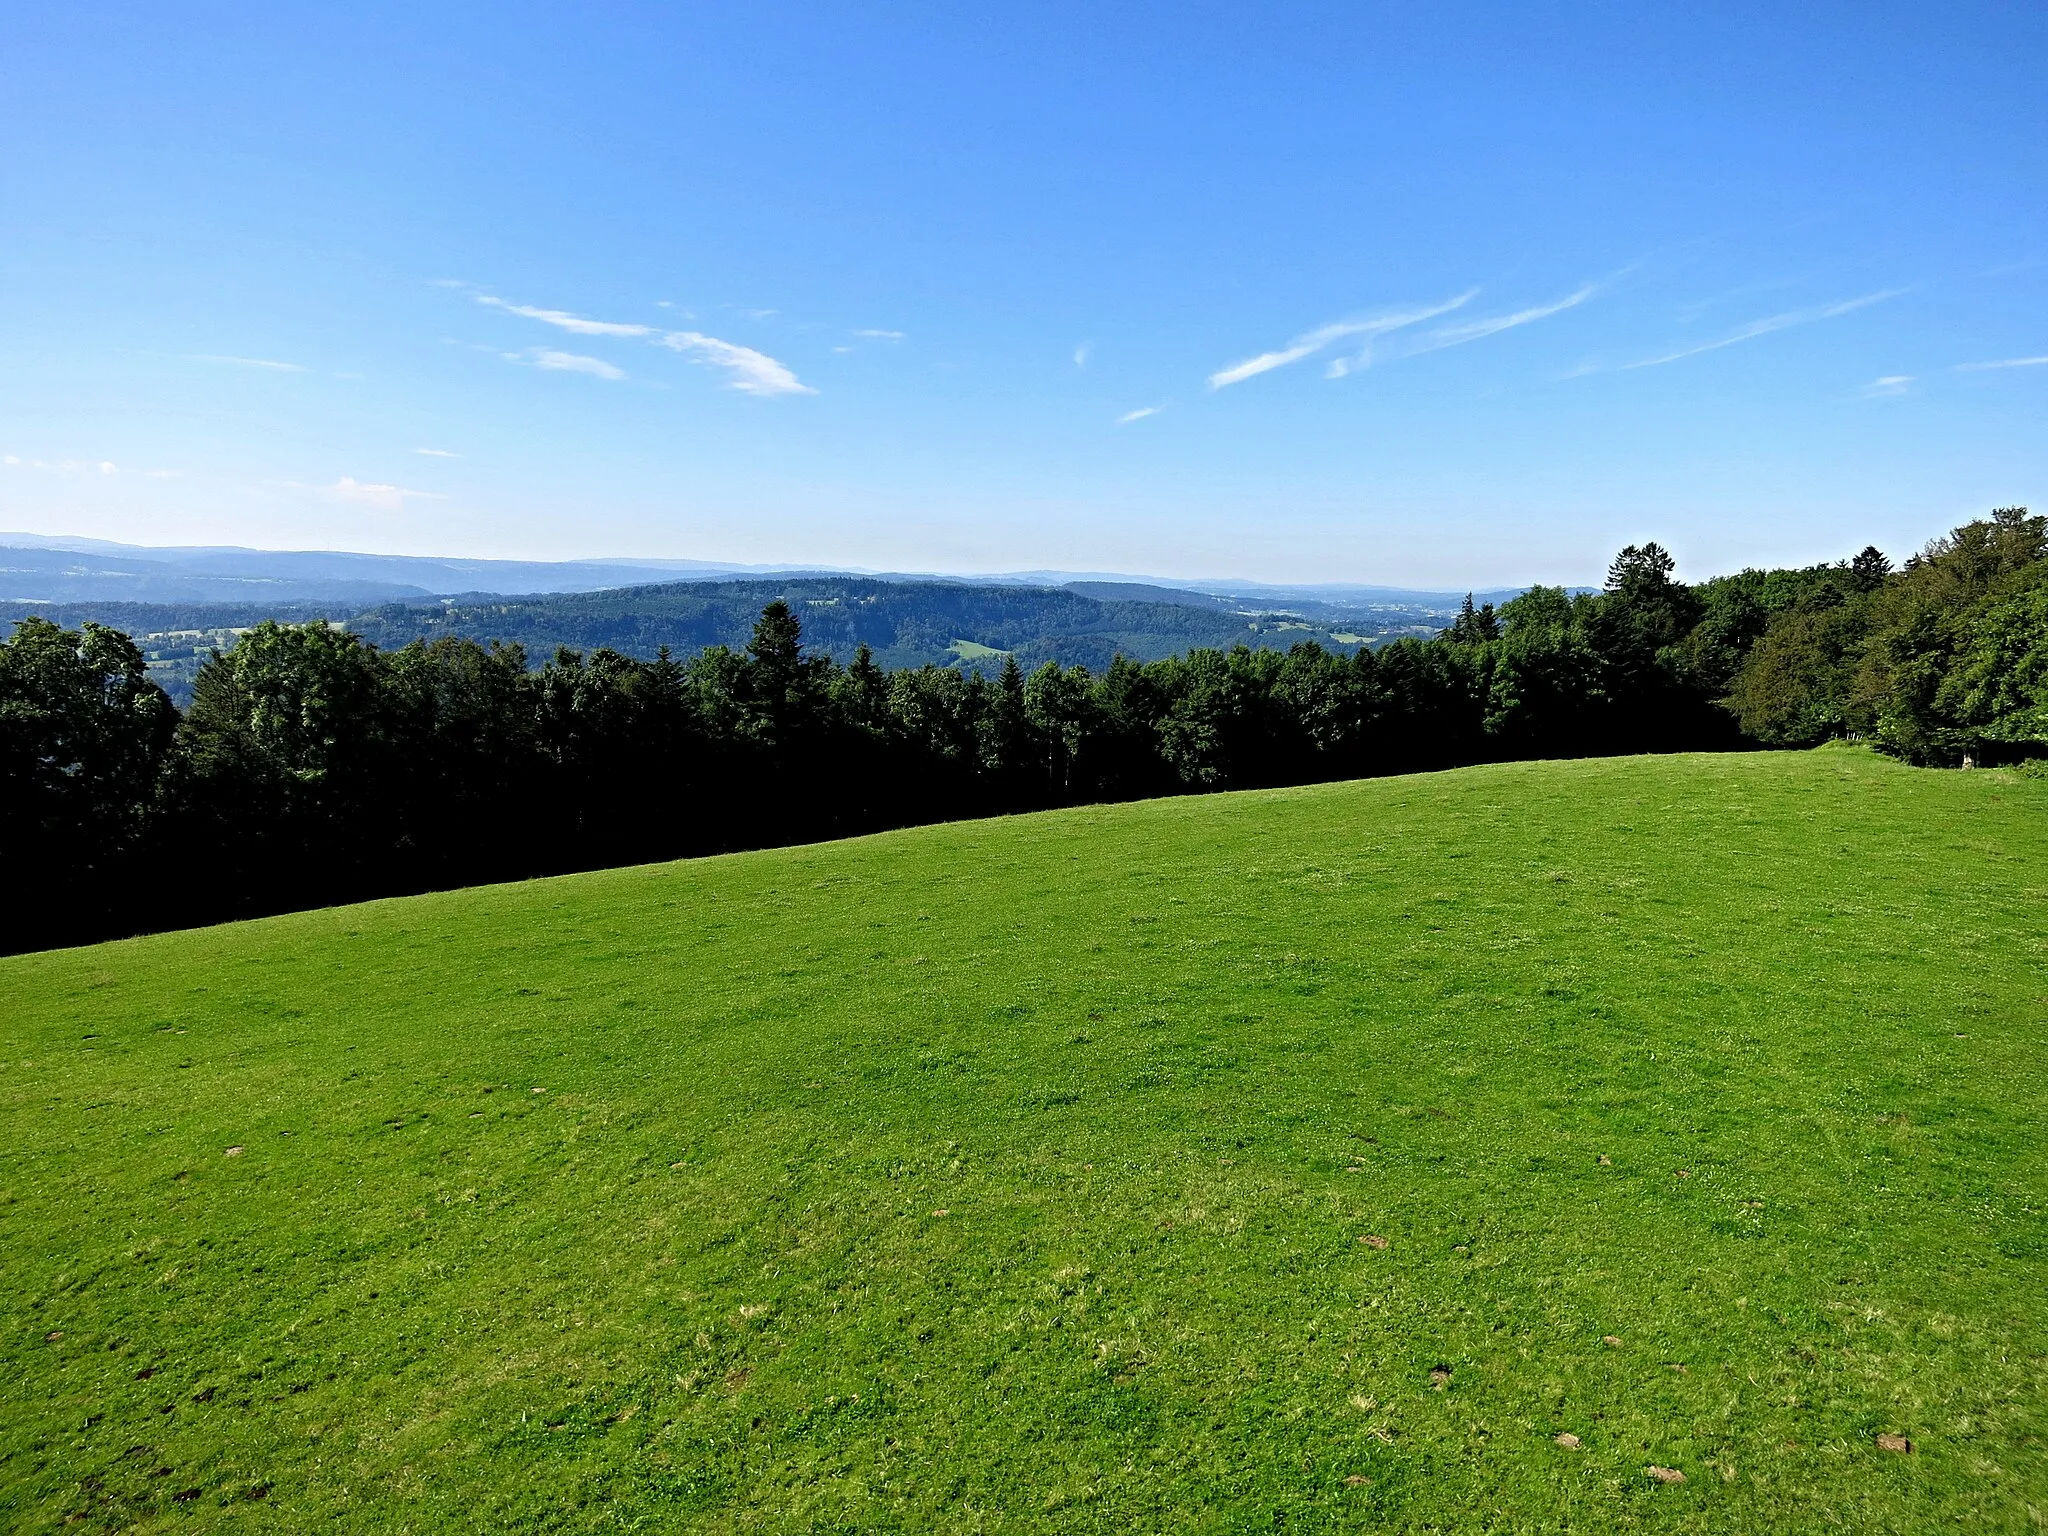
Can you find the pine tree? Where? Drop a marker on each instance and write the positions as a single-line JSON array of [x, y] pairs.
[[862, 693], [785, 688], [1869, 569], [1638, 571], [1006, 749]]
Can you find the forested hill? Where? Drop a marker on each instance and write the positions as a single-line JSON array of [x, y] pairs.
[[904, 623]]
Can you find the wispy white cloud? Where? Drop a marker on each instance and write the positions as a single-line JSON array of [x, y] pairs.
[[565, 362], [1139, 414], [2007, 362], [385, 498], [1473, 330], [1768, 325], [249, 362], [1470, 330], [436, 453], [1889, 386], [753, 373], [1082, 353], [566, 321], [1312, 342], [63, 466], [879, 335]]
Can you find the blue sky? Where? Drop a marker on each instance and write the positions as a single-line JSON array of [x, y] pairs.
[[1446, 295]]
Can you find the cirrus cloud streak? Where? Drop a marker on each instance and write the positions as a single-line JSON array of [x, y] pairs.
[[1311, 342], [2008, 362], [751, 371], [565, 362], [268, 364], [566, 321], [1767, 326]]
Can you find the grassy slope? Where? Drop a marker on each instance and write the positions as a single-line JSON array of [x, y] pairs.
[[1010, 1176]]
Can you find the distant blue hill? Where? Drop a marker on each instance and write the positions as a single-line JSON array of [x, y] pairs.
[[41, 568], [36, 568]]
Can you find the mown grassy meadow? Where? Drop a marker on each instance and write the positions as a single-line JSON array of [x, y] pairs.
[[1016, 1176]]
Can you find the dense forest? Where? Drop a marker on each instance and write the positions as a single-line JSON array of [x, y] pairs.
[[902, 624], [313, 766]]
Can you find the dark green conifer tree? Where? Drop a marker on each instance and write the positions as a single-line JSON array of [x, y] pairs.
[[786, 690], [1008, 754]]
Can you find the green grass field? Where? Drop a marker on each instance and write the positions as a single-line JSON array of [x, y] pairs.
[[1016, 1176]]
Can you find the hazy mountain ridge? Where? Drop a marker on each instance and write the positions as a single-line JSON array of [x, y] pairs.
[[94, 570], [46, 568]]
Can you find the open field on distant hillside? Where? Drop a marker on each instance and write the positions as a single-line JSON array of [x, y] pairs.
[[1018, 1176]]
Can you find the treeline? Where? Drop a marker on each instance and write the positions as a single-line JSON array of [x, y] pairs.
[[313, 767], [1943, 663]]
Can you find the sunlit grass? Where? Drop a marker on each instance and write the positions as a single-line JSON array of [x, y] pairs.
[[1017, 1175]]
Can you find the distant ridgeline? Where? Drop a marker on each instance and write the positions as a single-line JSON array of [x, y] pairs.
[[903, 623], [319, 763]]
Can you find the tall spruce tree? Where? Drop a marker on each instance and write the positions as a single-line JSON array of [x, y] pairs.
[[785, 689]]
